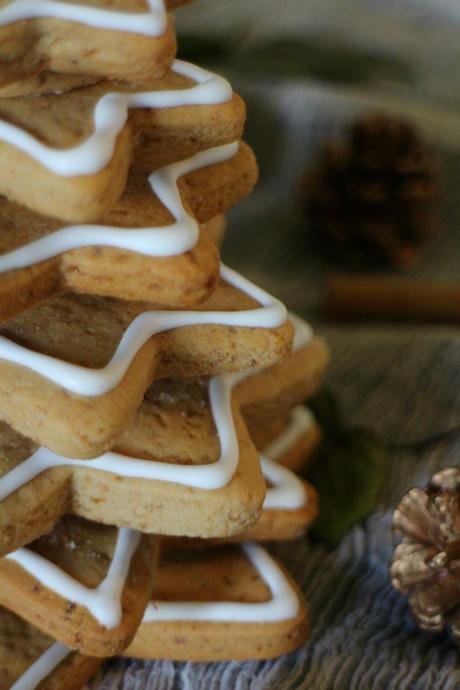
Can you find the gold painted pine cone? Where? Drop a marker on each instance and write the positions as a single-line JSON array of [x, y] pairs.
[[426, 564]]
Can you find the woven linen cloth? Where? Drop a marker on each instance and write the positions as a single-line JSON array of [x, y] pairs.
[[403, 380]]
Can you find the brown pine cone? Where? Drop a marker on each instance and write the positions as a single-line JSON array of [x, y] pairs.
[[374, 198], [426, 564]]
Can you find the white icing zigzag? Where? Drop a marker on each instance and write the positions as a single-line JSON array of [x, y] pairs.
[[152, 23], [169, 240], [104, 601], [283, 605], [212, 476], [287, 492], [92, 382], [109, 118], [110, 114]]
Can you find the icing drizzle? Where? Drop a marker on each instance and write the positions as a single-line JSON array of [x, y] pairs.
[[152, 23], [109, 117], [300, 422], [212, 476], [104, 601], [42, 667], [283, 605], [177, 238], [171, 240], [287, 491], [92, 382]]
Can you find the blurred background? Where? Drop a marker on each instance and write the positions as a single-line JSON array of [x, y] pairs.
[[309, 69], [363, 98]]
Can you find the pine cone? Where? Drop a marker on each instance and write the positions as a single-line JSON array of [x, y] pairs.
[[426, 564], [374, 198]]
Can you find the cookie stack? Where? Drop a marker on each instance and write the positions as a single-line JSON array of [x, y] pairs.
[[148, 393]]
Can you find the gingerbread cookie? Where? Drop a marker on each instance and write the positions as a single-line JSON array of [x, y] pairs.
[[45, 82], [221, 603], [86, 39], [138, 253], [68, 155], [84, 584], [216, 230], [30, 660]]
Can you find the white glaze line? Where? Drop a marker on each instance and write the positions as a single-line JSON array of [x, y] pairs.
[[109, 117], [104, 601], [303, 332], [283, 605], [212, 476], [42, 667], [169, 240], [152, 23], [287, 491], [92, 382], [300, 422]]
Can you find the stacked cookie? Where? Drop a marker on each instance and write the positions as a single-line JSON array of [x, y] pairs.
[[148, 392]]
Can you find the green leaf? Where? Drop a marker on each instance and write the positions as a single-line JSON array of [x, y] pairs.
[[348, 473]]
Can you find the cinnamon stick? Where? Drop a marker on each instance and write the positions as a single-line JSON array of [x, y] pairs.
[[391, 298]]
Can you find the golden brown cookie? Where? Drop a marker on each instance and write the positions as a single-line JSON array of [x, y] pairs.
[[283, 386], [68, 155], [216, 229], [221, 603], [85, 585], [37, 258], [30, 657], [45, 83], [131, 40]]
